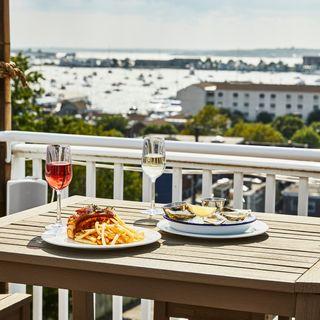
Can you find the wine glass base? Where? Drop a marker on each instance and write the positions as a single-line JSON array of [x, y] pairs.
[[150, 221], [147, 222], [54, 226]]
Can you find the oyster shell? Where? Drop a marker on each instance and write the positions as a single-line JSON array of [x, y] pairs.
[[235, 215], [178, 211], [216, 220]]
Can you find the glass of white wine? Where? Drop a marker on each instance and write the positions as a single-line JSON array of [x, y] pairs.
[[153, 164]]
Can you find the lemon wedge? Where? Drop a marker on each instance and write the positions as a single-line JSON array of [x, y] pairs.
[[201, 211]]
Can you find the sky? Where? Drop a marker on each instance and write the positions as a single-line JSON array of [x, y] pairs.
[[165, 24]]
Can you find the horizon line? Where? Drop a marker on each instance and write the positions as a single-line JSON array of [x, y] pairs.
[[161, 49]]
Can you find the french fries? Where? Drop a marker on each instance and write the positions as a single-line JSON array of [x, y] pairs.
[[112, 232]]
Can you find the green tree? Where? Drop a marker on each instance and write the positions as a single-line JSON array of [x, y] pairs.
[[167, 128], [256, 132], [313, 116], [113, 121], [24, 111], [209, 120], [316, 126], [307, 135], [288, 125], [264, 117]]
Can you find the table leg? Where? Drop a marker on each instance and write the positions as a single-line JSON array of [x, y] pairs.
[[308, 307], [82, 303], [160, 311]]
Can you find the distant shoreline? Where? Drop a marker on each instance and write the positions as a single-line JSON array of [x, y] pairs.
[[262, 52]]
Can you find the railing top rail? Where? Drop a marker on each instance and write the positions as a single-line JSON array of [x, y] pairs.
[[175, 146], [177, 159]]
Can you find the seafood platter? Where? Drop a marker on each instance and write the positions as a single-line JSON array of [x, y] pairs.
[[212, 218]]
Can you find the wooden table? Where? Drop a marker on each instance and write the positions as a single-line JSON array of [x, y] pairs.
[[277, 273]]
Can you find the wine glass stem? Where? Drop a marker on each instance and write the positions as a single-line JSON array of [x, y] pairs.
[[59, 221], [153, 195]]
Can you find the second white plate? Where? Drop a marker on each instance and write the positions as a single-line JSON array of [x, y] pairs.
[[257, 228]]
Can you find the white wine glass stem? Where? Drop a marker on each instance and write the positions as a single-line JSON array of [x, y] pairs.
[[153, 195]]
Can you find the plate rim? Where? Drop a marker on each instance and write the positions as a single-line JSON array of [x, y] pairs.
[[213, 236], [83, 246]]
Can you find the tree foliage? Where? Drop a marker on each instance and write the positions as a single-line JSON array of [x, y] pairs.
[[24, 111], [256, 132], [209, 120], [316, 126], [109, 122], [264, 117], [307, 135], [288, 125], [313, 116], [163, 129]]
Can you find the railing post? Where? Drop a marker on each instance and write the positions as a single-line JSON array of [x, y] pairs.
[[18, 168], [117, 303], [118, 181], [270, 195], [91, 179], [63, 304], [176, 184], [146, 309], [37, 168], [238, 190], [63, 294], [303, 196], [146, 188], [146, 196], [37, 292], [207, 184]]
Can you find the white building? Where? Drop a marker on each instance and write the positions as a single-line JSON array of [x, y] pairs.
[[251, 98]]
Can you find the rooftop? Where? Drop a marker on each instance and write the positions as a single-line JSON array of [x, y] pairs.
[[205, 139], [250, 86]]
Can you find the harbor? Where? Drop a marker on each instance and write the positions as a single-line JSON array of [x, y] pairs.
[[117, 90]]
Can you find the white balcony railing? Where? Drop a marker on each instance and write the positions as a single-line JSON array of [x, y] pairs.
[[122, 154]]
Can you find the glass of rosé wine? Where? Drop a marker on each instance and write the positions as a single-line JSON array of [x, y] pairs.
[[58, 174]]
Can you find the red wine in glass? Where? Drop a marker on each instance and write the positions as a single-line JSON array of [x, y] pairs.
[[58, 174]]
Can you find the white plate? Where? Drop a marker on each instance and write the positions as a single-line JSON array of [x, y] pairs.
[[231, 228], [256, 228], [59, 238]]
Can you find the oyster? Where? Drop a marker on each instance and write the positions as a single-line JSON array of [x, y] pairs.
[[178, 211], [235, 215], [216, 220]]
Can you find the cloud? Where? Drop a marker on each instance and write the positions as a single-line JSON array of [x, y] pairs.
[[182, 24]]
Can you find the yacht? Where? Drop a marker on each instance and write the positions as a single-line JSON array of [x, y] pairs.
[[162, 108], [141, 77]]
